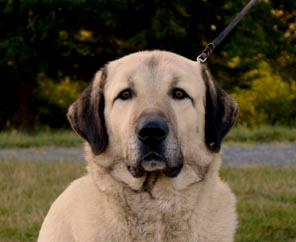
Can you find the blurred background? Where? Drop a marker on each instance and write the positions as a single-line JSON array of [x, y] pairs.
[[50, 50]]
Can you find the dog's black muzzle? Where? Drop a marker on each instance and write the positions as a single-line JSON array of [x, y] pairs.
[[152, 133]]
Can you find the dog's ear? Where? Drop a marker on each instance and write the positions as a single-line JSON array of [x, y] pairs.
[[221, 113], [86, 114]]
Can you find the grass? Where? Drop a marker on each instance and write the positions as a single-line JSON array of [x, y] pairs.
[[61, 138], [27, 190], [266, 195], [262, 134], [66, 138], [266, 201], [266, 198]]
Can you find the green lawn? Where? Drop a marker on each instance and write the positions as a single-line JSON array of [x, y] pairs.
[[266, 202], [26, 191], [61, 138], [266, 198], [262, 134], [64, 138]]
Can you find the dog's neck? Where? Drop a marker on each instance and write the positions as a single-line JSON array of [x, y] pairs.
[[153, 186]]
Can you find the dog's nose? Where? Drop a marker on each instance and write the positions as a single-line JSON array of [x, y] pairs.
[[153, 131]]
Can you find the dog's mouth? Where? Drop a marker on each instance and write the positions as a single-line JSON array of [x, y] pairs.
[[153, 163]]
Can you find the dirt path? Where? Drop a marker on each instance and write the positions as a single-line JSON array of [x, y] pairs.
[[274, 154]]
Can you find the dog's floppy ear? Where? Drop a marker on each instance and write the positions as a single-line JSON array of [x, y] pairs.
[[221, 113], [86, 114]]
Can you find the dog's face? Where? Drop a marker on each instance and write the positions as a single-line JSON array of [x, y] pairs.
[[154, 105], [154, 112]]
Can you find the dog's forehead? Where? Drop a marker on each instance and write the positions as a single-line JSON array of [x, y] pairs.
[[154, 68]]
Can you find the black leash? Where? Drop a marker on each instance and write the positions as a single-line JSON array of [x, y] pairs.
[[210, 47]]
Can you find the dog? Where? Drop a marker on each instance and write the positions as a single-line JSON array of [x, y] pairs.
[[153, 122]]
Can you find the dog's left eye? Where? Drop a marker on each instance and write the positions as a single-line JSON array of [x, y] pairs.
[[125, 94], [179, 94]]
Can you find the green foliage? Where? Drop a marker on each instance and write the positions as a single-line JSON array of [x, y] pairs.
[[269, 99], [56, 40], [61, 93]]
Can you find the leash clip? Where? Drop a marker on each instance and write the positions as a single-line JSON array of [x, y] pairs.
[[206, 52]]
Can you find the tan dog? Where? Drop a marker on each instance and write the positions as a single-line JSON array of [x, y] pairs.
[[153, 122]]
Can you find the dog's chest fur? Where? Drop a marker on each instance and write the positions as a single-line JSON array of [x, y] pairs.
[[161, 218], [160, 227]]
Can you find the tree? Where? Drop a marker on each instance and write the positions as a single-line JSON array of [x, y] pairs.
[[49, 45]]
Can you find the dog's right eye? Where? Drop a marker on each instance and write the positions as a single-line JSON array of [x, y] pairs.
[[179, 94], [125, 94]]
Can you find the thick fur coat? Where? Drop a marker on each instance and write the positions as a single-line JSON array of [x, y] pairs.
[[153, 123]]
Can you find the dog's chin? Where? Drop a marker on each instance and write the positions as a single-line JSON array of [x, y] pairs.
[[147, 166], [153, 165]]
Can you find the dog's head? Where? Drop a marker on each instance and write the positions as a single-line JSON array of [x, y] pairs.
[[154, 111]]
